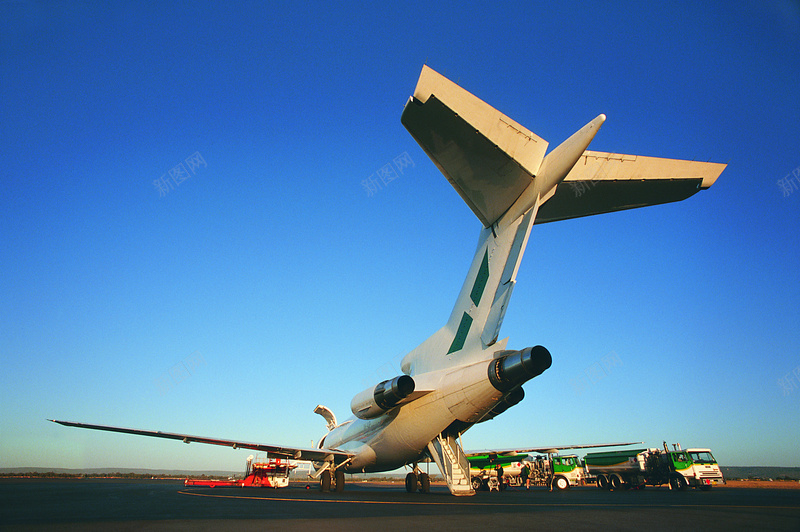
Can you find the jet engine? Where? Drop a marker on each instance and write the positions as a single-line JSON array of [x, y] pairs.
[[510, 399], [512, 368], [373, 402]]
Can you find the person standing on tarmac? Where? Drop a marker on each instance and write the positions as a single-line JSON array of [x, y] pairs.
[[525, 474]]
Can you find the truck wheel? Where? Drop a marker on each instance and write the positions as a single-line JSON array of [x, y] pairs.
[[602, 482], [424, 483], [561, 483], [411, 482], [325, 482], [616, 482], [476, 483], [677, 482]]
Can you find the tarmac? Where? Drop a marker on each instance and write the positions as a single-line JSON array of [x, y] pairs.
[[92, 504]]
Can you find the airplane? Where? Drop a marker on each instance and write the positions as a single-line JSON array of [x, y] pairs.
[[464, 373]]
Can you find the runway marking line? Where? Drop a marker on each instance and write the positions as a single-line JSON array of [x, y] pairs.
[[526, 505]]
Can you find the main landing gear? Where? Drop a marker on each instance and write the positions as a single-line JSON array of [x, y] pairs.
[[334, 480], [421, 482]]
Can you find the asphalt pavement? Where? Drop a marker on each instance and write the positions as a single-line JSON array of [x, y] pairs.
[[92, 504]]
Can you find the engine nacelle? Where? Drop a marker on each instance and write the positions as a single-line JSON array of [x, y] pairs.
[[510, 399], [512, 368], [373, 402]]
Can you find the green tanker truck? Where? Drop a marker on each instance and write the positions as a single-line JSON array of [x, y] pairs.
[[637, 468]]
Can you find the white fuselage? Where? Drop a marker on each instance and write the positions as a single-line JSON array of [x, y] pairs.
[[400, 435]]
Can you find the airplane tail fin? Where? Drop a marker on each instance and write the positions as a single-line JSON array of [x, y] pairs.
[[500, 170], [498, 167]]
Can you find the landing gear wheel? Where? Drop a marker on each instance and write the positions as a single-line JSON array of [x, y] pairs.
[[477, 482], [424, 483], [677, 482], [411, 482], [325, 482], [561, 483], [339, 478]]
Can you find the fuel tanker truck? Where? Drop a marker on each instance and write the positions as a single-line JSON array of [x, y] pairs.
[[637, 468]]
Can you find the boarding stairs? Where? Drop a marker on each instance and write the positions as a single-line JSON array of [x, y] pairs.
[[452, 462]]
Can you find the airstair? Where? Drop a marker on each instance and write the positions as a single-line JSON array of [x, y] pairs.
[[452, 462]]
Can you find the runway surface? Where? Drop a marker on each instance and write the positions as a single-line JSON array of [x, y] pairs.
[[167, 505]]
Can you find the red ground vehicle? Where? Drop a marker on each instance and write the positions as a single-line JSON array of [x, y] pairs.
[[268, 473]]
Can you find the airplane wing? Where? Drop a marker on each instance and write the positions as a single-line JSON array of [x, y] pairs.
[[491, 160], [296, 453], [607, 182], [552, 449]]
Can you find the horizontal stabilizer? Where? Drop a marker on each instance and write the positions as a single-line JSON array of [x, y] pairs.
[[489, 158], [608, 182]]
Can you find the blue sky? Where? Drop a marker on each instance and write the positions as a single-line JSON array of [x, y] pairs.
[[269, 280]]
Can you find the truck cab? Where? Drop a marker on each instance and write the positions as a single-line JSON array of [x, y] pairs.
[[704, 471], [567, 471]]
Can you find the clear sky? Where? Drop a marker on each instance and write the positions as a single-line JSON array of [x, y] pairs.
[[264, 278]]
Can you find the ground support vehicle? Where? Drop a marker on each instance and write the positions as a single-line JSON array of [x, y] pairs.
[[560, 472], [267, 473], [637, 468]]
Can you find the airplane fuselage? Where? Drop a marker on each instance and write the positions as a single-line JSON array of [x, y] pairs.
[[399, 436], [465, 394]]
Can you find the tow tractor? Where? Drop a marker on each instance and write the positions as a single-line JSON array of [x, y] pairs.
[[260, 473]]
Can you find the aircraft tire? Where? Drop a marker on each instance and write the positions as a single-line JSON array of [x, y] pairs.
[[411, 482], [339, 478], [325, 482], [424, 483]]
